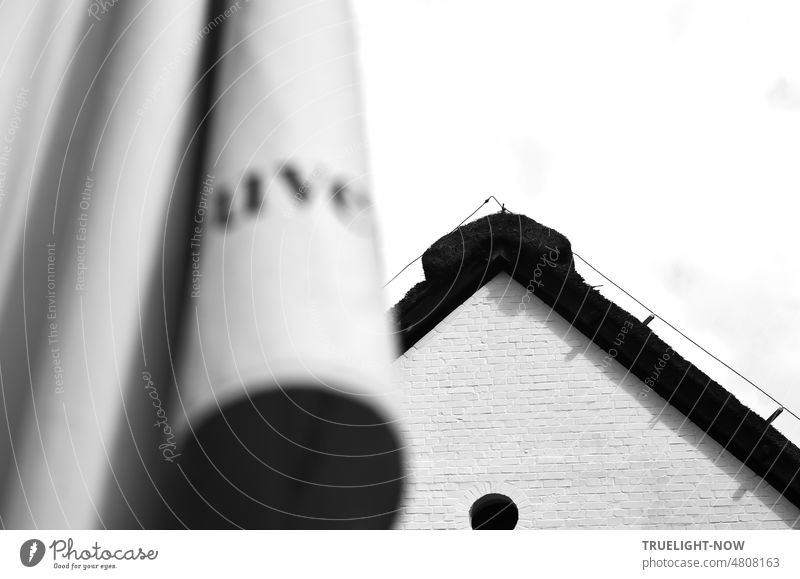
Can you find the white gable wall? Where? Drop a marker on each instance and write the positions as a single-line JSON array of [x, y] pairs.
[[515, 401]]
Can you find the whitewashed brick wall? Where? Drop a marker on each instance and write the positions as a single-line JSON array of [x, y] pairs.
[[516, 402]]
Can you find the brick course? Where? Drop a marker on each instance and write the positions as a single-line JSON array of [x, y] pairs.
[[512, 400]]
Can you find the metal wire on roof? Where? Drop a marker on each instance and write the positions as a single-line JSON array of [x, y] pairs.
[[650, 317]]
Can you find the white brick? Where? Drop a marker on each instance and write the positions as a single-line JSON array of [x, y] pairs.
[[497, 405]]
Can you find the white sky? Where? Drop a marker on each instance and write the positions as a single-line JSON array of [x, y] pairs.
[[661, 137]]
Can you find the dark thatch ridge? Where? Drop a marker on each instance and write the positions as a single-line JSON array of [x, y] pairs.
[[540, 258]]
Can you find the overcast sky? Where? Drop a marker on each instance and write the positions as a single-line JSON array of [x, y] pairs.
[[662, 138]]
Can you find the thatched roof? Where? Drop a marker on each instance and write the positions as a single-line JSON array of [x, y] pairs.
[[536, 256]]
